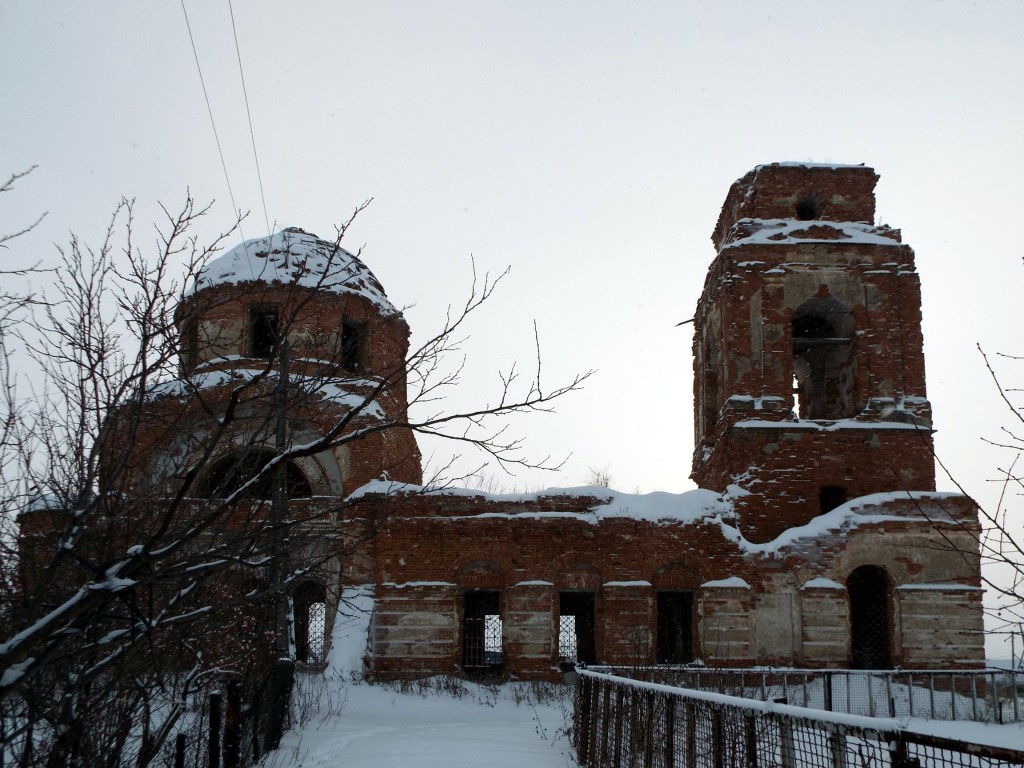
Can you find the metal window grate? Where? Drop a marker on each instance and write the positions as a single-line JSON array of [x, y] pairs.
[[317, 627], [483, 641], [482, 653], [567, 641]]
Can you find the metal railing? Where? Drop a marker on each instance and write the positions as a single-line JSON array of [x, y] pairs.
[[619, 722], [990, 695]]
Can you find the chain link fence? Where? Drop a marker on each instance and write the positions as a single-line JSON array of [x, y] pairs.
[[990, 695], [638, 724]]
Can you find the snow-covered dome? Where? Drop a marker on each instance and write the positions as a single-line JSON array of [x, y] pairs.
[[295, 257]]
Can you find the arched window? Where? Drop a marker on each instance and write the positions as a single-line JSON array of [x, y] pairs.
[[823, 366], [310, 601], [870, 642], [228, 474], [710, 401]]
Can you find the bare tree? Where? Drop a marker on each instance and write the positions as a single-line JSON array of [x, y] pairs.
[[599, 476], [116, 602]]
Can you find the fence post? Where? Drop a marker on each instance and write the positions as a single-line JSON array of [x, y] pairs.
[[900, 758], [786, 751], [1016, 697], [583, 685], [649, 730], [606, 705], [691, 735], [750, 732], [214, 730], [997, 710], [256, 715], [595, 690], [837, 741], [828, 691], [634, 725], [619, 696], [233, 726], [179, 751], [670, 731], [718, 737], [282, 674]]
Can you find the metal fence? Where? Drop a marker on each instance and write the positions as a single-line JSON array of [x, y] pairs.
[[620, 722], [991, 695], [236, 726]]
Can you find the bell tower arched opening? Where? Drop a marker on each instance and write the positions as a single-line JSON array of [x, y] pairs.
[[824, 367]]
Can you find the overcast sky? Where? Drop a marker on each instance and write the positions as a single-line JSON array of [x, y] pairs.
[[589, 145]]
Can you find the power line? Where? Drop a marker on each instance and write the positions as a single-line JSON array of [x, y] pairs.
[[209, 110], [248, 113]]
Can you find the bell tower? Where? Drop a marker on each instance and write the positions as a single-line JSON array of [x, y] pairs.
[[809, 385]]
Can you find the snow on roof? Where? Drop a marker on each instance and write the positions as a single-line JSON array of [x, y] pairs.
[[678, 508], [339, 392], [295, 257], [795, 164], [775, 231], [825, 426], [658, 507]]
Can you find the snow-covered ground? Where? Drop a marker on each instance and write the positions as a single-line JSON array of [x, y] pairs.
[[338, 719], [375, 726]]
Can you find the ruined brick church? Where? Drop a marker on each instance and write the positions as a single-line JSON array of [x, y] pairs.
[[815, 537]]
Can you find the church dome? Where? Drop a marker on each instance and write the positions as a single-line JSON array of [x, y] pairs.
[[299, 258]]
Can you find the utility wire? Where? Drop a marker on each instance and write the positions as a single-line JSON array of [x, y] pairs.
[[209, 109], [248, 113]]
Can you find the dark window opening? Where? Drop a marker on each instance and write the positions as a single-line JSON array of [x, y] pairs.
[[189, 353], [353, 346], [868, 588], [710, 400], [310, 606], [823, 364], [675, 627], [807, 208], [830, 497], [263, 329], [230, 473], [482, 655], [576, 628]]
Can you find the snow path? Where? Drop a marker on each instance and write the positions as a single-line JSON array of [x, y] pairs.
[[340, 720], [381, 727]]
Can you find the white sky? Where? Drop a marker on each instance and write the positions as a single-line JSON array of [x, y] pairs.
[[589, 145]]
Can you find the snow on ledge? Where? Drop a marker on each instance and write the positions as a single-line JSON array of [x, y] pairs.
[[749, 231], [336, 391], [404, 584], [822, 583], [941, 587], [636, 583], [733, 582], [828, 426]]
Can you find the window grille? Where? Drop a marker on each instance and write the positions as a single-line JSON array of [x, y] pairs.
[[316, 630], [482, 652], [567, 644]]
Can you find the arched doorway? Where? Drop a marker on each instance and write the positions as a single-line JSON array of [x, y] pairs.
[[870, 633], [310, 601]]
